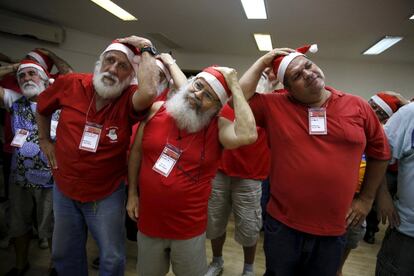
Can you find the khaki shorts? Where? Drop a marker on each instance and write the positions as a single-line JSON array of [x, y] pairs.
[[22, 207], [242, 196], [187, 257]]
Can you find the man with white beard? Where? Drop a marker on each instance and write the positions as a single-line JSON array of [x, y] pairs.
[[178, 148], [90, 160], [32, 181]]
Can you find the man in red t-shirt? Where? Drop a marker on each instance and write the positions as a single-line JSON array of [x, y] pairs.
[[317, 135], [178, 149], [89, 157]]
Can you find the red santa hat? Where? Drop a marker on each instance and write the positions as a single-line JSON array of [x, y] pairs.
[[27, 63], [129, 50], [387, 102], [217, 82], [281, 63], [44, 60]]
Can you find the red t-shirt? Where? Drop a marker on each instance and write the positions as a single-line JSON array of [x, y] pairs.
[[175, 207], [84, 175], [313, 178], [248, 162]]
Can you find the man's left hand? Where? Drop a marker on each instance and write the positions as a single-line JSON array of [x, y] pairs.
[[359, 210]]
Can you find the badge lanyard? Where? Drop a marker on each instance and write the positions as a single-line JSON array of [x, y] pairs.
[[317, 121], [169, 157], [91, 133]]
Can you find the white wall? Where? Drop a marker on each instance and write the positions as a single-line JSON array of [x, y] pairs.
[[81, 50]]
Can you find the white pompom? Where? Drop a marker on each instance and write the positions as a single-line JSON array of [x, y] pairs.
[[313, 48], [51, 81]]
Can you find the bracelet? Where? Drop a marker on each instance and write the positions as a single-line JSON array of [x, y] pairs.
[[171, 63]]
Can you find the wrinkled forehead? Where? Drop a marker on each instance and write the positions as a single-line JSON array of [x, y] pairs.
[[296, 63], [120, 56], [27, 70]]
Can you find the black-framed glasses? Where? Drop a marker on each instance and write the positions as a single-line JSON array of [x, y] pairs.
[[198, 85]]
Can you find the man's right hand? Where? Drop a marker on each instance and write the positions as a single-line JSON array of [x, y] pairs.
[[132, 207], [268, 58], [48, 149]]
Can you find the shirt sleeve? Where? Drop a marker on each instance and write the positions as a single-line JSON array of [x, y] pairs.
[[377, 145], [227, 112], [50, 100], [400, 132], [10, 97]]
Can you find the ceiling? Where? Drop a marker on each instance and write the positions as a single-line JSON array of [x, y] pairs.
[[341, 28]]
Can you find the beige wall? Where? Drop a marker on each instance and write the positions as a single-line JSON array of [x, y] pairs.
[[362, 78]]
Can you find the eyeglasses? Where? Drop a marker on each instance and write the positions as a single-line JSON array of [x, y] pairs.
[[197, 86]]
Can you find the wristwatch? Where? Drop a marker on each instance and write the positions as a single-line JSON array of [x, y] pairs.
[[150, 49]]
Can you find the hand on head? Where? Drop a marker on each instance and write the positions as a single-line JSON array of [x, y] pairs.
[[268, 58], [136, 41]]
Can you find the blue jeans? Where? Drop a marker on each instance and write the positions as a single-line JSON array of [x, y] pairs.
[[104, 219], [290, 252]]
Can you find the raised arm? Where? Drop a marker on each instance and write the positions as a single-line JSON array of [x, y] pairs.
[[62, 66], [242, 131], [249, 80], [176, 74], [147, 74], [7, 69]]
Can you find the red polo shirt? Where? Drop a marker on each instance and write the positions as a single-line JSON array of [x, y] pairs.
[[313, 178], [83, 175], [175, 207], [248, 162]]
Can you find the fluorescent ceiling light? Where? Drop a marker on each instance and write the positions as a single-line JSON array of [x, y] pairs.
[[412, 17], [115, 9], [254, 9], [263, 41], [382, 45]]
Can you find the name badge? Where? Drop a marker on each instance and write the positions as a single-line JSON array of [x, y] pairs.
[[167, 160], [19, 138], [90, 137], [317, 121]]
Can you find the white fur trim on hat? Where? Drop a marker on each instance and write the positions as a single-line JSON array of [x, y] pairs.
[[164, 69], [122, 48], [284, 65], [216, 85], [38, 58], [381, 103], [40, 69]]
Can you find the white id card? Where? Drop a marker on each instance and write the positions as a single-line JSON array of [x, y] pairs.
[[19, 138], [90, 137], [317, 121], [167, 160]]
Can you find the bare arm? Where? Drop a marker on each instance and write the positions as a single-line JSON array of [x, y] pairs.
[[147, 74], [62, 66], [7, 69], [243, 130], [249, 80], [134, 163], [361, 206], [385, 206], [176, 74], [45, 142]]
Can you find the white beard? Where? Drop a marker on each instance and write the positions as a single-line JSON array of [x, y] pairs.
[[108, 91], [31, 89], [186, 117]]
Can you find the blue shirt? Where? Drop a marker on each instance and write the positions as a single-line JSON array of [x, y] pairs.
[[29, 165], [400, 132]]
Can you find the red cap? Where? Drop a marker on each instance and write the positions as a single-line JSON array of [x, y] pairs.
[[44, 60], [281, 63], [217, 82]]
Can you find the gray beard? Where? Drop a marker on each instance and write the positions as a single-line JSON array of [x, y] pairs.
[[31, 89], [186, 117]]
